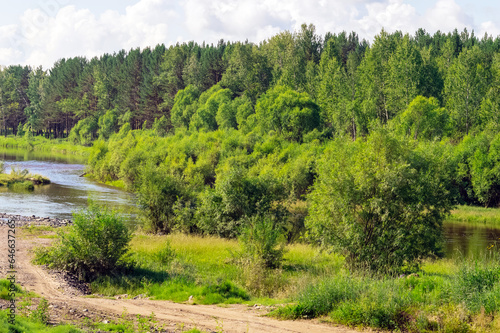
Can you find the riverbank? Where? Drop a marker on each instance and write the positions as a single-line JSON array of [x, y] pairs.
[[445, 296], [29, 221], [41, 144]]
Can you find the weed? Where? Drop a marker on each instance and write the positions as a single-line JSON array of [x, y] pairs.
[[41, 314]]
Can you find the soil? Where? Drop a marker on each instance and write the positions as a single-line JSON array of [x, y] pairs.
[[68, 303]]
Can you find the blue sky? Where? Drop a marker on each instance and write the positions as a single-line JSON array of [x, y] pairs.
[[39, 32]]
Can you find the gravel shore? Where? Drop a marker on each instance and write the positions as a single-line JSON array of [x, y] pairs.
[[26, 221]]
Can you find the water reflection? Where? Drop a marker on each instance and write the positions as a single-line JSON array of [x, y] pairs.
[[67, 193], [465, 240]]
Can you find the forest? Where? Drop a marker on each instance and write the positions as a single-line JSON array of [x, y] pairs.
[[299, 130]]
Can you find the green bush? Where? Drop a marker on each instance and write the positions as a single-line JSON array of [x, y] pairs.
[[92, 246], [380, 202], [262, 240], [158, 194]]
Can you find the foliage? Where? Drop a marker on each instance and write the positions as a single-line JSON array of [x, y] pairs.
[[157, 196], [424, 119], [287, 112], [21, 180], [93, 245], [379, 202], [262, 240]]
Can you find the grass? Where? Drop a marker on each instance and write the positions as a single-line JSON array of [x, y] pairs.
[[29, 321], [41, 144], [445, 296], [206, 270], [21, 180], [474, 215]]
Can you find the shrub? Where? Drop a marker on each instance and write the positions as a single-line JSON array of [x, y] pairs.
[[158, 194], [262, 240], [380, 202], [92, 246]]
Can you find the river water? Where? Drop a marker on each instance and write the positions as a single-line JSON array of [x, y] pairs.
[[69, 192]]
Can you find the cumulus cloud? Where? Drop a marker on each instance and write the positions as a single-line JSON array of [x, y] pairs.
[[447, 15], [42, 39], [57, 29]]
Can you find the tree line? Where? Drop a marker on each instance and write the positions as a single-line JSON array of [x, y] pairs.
[[352, 82]]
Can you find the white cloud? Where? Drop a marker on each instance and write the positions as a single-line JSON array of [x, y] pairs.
[[447, 15], [78, 32], [489, 28]]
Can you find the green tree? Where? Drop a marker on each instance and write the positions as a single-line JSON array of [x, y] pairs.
[[108, 124], [158, 193], [374, 76], [405, 70], [379, 202], [424, 119], [287, 112], [465, 87], [490, 105], [185, 105], [338, 94]]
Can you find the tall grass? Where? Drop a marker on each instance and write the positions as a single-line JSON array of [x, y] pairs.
[[475, 215], [441, 298], [178, 266], [39, 143]]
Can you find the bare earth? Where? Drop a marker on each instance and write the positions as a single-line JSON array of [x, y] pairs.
[[68, 305]]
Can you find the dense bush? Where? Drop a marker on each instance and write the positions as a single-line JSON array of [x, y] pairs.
[[92, 245], [379, 202]]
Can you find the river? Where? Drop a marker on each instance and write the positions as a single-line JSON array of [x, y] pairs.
[[69, 192]]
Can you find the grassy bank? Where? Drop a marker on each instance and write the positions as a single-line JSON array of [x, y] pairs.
[[475, 215], [211, 270], [41, 144]]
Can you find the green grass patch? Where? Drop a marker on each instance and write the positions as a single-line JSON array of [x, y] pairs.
[[5, 289], [178, 266], [26, 325], [41, 144], [475, 215], [447, 296]]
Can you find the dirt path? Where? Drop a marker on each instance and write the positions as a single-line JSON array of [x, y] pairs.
[[66, 305]]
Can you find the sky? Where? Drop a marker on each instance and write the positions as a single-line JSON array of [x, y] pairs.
[[40, 32]]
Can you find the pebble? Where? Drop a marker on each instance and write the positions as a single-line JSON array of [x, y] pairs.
[[22, 221]]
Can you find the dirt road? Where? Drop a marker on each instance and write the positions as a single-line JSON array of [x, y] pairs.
[[66, 304]]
